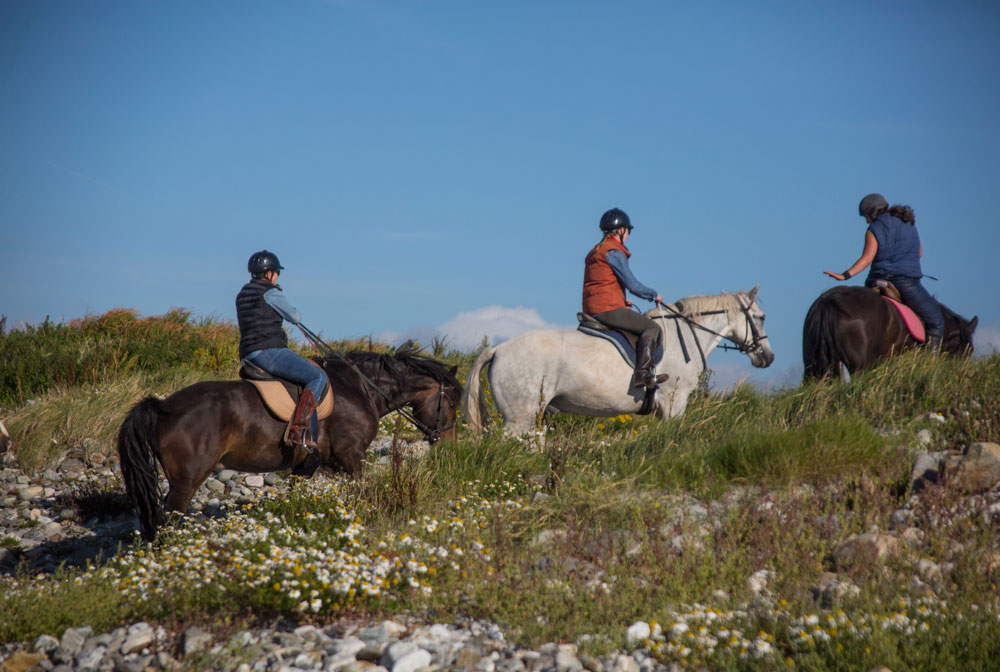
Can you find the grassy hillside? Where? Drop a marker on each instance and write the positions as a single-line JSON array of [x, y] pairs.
[[614, 520]]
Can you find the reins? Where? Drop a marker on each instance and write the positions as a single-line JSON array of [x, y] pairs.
[[755, 345], [329, 353]]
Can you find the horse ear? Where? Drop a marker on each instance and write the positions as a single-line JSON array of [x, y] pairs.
[[973, 323], [753, 292], [453, 370]]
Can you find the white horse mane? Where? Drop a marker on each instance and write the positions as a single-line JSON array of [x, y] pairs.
[[689, 306]]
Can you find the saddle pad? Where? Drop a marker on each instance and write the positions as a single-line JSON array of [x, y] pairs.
[[620, 342], [913, 323], [279, 402]]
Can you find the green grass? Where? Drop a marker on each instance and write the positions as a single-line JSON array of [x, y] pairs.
[[602, 526]]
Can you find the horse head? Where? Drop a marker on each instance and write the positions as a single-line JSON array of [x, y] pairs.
[[748, 330], [957, 332], [429, 388]]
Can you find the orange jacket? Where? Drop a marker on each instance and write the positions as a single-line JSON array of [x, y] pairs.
[[602, 291]]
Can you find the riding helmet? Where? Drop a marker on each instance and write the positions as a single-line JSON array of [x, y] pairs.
[[262, 262], [871, 204], [615, 219]]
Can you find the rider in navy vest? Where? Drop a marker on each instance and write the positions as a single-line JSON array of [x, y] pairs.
[[892, 247], [261, 307]]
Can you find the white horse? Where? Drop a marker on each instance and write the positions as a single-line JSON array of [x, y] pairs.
[[572, 372]]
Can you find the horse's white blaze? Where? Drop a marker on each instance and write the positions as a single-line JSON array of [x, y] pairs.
[[571, 372]]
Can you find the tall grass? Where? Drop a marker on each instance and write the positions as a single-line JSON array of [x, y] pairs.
[[612, 520]]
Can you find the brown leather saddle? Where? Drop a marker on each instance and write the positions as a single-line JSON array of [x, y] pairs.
[[887, 289], [281, 396]]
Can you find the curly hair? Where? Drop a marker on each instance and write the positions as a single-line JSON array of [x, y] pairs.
[[903, 212]]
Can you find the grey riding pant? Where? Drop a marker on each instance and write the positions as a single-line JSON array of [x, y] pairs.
[[626, 319]]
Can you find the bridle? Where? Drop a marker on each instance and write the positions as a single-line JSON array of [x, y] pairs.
[[756, 343], [432, 435]]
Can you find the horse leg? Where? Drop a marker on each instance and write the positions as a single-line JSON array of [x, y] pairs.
[[187, 462]]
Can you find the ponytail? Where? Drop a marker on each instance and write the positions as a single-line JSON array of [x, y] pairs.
[[903, 212]]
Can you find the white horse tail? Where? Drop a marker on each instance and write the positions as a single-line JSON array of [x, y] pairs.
[[474, 401]]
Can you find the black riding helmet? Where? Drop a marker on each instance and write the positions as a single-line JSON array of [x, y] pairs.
[[871, 204], [615, 219], [262, 262]]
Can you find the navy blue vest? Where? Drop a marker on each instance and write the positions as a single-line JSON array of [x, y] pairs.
[[260, 324], [898, 248]]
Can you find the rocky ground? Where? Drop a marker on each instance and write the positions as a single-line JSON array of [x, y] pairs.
[[75, 512]]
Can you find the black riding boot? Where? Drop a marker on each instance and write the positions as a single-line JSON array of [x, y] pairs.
[[644, 376]]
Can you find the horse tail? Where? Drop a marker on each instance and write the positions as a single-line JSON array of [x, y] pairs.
[[474, 397], [822, 352], [138, 453]]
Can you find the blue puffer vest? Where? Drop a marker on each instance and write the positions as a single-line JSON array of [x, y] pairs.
[[898, 248], [260, 324]]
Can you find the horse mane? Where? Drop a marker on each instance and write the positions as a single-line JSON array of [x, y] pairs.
[[690, 306], [404, 360]]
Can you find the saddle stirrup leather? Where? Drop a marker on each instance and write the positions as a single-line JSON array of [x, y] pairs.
[[296, 433]]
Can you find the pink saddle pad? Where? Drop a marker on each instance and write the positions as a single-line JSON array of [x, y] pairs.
[[913, 323]]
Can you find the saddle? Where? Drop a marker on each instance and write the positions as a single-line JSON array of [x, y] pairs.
[[281, 396], [912, 321], [624, 341]]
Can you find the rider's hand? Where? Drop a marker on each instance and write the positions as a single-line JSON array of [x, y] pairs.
[[835, 276], [628, 304], [658, 299]]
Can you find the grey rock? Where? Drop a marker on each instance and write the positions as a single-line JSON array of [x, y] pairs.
[[255, 481], [412, 661], [900, 519], [31, 492], [394, 652], [215, 485], [372, 651], [45, 644], [864, 550], [139, 637], [272, 478], [72, 465], [925, 470], [226, 475], [194, 639], [467, 656], [625, 663], [566, 660], [90, 659], [510, 665], [72, 641]]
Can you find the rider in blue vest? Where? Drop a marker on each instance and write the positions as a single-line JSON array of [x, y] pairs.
[[260, 309], [892, 247]]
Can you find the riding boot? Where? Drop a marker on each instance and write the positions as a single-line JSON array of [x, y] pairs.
[[934, 342], [644, 376], [295, 433]]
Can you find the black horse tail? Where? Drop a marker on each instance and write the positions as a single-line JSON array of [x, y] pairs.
[[822, 352], [138, 453]]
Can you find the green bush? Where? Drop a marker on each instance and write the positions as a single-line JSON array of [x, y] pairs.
[[99, 349]]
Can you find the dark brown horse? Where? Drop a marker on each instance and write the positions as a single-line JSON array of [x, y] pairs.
[[851, 328], [225, 422]]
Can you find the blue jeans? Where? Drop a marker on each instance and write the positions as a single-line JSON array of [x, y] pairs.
[[916, 296], [289, 365]]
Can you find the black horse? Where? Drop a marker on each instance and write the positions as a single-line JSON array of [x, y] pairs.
[[226, 422], [855, 327]]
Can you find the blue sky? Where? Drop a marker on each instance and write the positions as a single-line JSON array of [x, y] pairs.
[[419, 165]]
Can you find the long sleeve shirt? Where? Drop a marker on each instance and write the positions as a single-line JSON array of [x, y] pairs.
[[619, 264], [276, 299]]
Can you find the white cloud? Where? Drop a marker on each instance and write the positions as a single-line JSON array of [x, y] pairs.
[[466, 330], [986, 339]]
